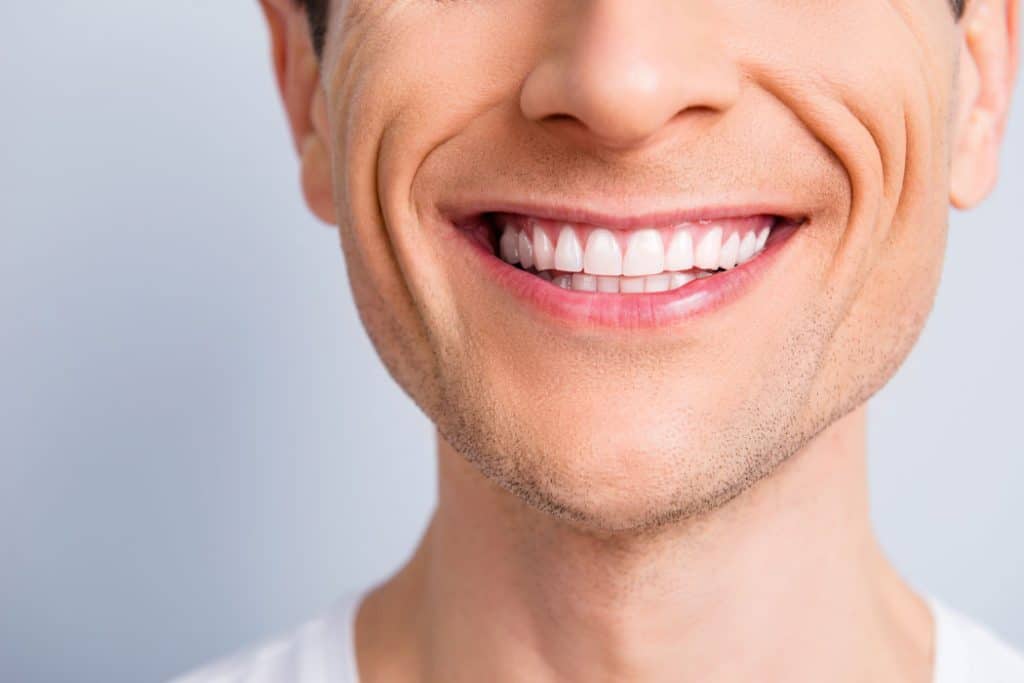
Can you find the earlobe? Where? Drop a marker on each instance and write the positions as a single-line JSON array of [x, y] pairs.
[[316, 179], [975, 162], [984, 83]]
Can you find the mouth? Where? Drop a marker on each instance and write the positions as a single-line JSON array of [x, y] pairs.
[[597, 259], [631, 272]]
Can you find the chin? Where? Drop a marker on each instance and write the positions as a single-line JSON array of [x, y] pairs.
[[600, 477]]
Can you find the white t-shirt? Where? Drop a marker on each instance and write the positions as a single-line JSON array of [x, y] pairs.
[[323, 651]]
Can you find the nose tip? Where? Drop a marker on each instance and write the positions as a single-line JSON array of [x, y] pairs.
[[619, 106], [626, 73]]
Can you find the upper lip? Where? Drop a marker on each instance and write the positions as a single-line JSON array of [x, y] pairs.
[[622, 217]]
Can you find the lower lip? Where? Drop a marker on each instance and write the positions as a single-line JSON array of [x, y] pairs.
[[634, 311]]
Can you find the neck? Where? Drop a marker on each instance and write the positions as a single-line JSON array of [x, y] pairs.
[[785, 582]]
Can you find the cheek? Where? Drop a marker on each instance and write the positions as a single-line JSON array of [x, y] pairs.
[[391, 323], [883, 114], [877, 95], [391, 106]]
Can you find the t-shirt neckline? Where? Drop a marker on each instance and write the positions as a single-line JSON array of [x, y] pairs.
[[949, 656]]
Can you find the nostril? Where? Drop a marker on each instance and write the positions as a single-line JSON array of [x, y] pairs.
[[563, 120]]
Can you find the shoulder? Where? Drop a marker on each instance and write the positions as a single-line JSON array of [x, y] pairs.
[[967, 651], [319, 651]]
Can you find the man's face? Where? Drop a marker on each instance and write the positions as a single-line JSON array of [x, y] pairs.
[[838, 125]]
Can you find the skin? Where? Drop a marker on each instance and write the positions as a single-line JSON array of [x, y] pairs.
[[683, 502]]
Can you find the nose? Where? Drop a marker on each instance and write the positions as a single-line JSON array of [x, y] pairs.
[[622, 73]]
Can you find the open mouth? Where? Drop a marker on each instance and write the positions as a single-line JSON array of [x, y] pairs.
[[592, 258], [578, 267]]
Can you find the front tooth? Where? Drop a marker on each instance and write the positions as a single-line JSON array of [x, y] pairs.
[[582, 282], [543, 250], [509, 245], [657, 283], [679, 279], [632, 285], [680, 251], [762, 237], [602, 255], [608, 284], [645, 254], [747, 247], [710, 250], [568, 254], [525, 250], [563, 281], [730, 251]]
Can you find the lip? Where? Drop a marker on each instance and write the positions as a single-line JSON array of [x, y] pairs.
[[619, 218], [590, 310]]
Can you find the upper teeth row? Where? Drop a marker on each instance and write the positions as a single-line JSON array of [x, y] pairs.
[[647, 251]]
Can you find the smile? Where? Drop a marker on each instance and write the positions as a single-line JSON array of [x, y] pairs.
[[576, 268], [597, 259]]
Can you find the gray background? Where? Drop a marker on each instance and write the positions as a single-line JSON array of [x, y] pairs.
[[198, 445]]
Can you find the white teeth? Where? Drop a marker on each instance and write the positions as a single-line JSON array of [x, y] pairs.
[[632, 285], [602, 255], [679, 279], [762, 237], [645, 254], [657, 283], [710, 249], [648, 265], [543, 250], [730, 252], [609, 284], [509, 246], [525, 250], [568, 254], [584, 283], [747, 247], [680, 251]]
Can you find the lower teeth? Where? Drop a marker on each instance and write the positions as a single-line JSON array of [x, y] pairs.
[[614, 284]]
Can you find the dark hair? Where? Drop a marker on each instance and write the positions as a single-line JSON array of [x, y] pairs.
[[316, 12]]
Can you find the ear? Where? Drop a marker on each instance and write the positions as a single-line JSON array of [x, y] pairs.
[[298, 78], [988, 68]]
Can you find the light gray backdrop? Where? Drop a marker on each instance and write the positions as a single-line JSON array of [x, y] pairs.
[[198, 447]]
